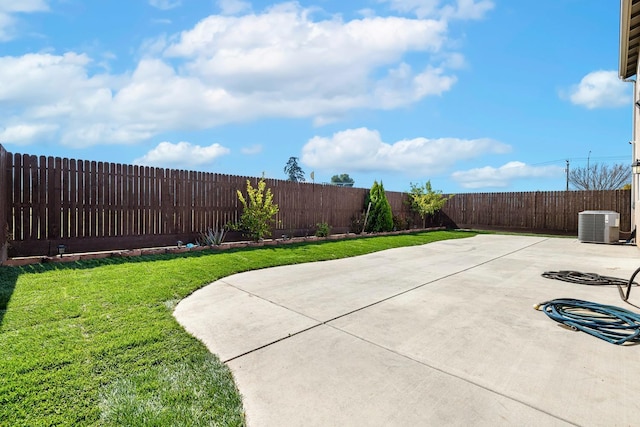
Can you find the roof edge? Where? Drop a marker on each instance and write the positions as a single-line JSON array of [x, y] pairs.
[[625, 20]]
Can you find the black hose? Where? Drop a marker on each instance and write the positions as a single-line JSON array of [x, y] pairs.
[[584, 278], [625, 295], [595, 280]]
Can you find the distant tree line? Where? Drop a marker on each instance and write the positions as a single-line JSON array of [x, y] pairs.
[[294, 173], [342, 180]]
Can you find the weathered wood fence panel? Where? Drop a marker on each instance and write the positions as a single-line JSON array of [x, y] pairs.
[[539, 211], [304, 205], [91, 206]]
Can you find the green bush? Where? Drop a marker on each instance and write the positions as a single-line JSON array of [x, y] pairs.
[[380, 215], [426, 201], [323, 229], [258, 211]]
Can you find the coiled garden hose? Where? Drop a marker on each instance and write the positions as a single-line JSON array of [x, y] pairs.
[[584, 278], [612, 324], [594, 279]]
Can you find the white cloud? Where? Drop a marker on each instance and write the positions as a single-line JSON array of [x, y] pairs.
[[367, 13], [40, 79], [488, 176], [6, 27], [8, 10], [23, 6], [282, 36], [165, 4], [362, 150], [233, 7], [421, 8], [158, 99], [402, 85], [23, 134], [454, 61], [601, 89], [103, 108], [54, 91], [153, 47], [230, 69], [469, 9], [458, 9], [254, 149], [182, 155], [312, 69]]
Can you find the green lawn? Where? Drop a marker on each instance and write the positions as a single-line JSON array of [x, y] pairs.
[[95, 342]]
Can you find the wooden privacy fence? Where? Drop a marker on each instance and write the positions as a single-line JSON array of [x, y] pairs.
[[93, 206], [90, 206], [539, 211]]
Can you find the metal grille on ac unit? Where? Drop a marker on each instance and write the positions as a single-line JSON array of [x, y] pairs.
[[599, 226]]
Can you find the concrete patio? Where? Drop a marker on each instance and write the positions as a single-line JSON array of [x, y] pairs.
[[440, 334]]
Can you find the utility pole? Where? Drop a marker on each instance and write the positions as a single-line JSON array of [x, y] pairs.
[[567, 171], [588, 173]]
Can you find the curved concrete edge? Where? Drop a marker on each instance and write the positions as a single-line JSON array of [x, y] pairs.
[[437, 334]]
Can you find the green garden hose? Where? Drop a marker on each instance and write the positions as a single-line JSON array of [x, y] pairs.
[[612, 324]]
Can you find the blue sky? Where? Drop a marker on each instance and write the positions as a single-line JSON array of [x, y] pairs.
[[473, 95]]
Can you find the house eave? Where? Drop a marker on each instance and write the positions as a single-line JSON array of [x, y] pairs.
[[629, 37]]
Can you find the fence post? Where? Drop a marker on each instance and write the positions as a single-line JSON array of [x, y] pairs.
[[5, 192]]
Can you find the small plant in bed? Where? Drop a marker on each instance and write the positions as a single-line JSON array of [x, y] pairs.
[[323, 229], [212, 237], [258, 211]]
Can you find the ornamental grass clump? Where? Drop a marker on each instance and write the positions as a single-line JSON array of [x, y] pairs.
[[212, 237]]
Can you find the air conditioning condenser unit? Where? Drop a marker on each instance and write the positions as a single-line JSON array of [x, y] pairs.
[[599, 227]]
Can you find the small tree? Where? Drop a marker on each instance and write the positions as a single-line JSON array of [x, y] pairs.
[[600, 177], [380, 216], [425, 201], [258, 211], [293, 170], [342, 180]]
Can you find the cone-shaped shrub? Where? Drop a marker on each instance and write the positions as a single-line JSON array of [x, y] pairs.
[[380, 215]]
